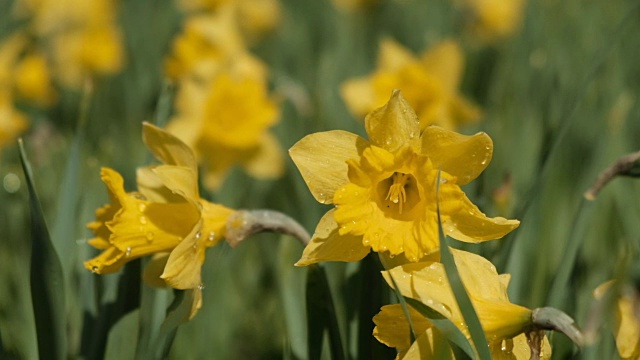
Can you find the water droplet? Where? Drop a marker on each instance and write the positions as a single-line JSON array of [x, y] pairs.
[[198, 235], [356, 193], [212, 236], [383, 248], [321, 198], [128, 253], [143, 220], [443, 181], [201, 286], [353, 222], [94, 269], [142, 207], [388, 142], [483, 162], [366, 241], [195, 245], [150, 236], [487, 147]]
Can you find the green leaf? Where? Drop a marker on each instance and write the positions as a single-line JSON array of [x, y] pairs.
[[47, 283], [321, 315], [123, 338], [464, 302], [457, 340], [177, 314]]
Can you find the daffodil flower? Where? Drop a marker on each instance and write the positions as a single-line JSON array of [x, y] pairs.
[[627, 321], [165, 216], [429, 83], [493, 20], [502, 321], [384, 189]]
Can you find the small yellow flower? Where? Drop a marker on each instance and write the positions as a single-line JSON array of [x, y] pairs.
[[12, 122], [430, 84], [502, 321], [227, 124], [207, 43], [384, 189], [166, 216], [627, 321], [33, 80], [492, 20]]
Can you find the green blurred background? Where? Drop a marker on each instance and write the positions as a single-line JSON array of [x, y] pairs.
[[560, 100]]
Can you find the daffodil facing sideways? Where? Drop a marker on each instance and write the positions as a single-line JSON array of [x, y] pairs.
[[429, 83], [504, 323], [384, 189], [165, 217], [626, 320]]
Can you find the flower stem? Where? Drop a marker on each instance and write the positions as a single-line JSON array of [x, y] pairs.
[[244, 223]]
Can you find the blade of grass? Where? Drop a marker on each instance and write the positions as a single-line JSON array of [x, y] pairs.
[[46, 278], [464, 302], [177, 313], [321, 315], [459, 343], [123, 338]]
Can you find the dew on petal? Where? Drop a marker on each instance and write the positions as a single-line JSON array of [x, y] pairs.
[[198, 235], [128, 252], [150, 236], [94, 269], [143, 220], [142, 207], [212, 236], [201, 286]]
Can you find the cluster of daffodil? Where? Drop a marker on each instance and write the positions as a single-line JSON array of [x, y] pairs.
[[60, 44], [223, 106]]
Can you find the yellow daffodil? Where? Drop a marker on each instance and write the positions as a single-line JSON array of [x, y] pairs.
[[33, 80], [430, 84], [492, 20], [627, 321], [227, 124], [84, 38], [207, 43], [252, 17], [165, 216], [12, 122], [384, 189], [502, 321]]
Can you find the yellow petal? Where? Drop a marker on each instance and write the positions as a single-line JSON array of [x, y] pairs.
[[184, 266], [167, 148], [180, 180], [359, 96], [153, 270], [429, 345], [109, 261], [267, 161], [150, 185], [445, 62], [627, 329], [328, 245], [469, 224], [392, 56], [394, 125], [322, 158], [459, 155], [196, 301], [480, 276], [392, 327]]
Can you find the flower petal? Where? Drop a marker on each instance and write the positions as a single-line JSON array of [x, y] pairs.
[[359, 96], [167, 148], [328, 245], [394, 125], [459, 155], [153, 270], [392, 327], [184, 266], [469, 224], [180, 180], [150, 185], [429, 345], [322, 158], [445, 62], [392, 56], [266, 162]]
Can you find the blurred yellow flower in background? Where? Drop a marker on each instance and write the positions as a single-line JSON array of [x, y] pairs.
[[384, 189], [429, 83], [626, 320], [227, 123], [253, 18], [33, 80], [493, 20], [83, 38], [165, 216], [12, 122], [502, 321]]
